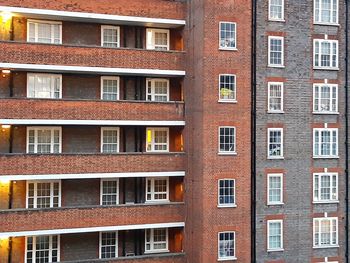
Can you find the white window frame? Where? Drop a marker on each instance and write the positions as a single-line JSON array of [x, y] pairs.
[[234, 193], [153, 250], [100, 245], [50, 249], [152, 192], [276, 19], [234, 152], [235, 26], [117, 129], [150, 38], [268, 235], [118, 86], [117, 28], [280, 202], [269, 97], [268, 143], [332, 86], [234, 90], [36, 22], [101, 190], [36, 192], [318, 199], [331, 42], [269, 52], [320, 130], [319, 221], [152, 143], [234, 246], [36, 128], [52, 77], [318, 20], [153, 93]]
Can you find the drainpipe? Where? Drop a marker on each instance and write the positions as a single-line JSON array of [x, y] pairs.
[[346, 132], [9, 258]]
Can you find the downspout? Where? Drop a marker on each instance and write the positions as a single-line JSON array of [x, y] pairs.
[[346, 132]]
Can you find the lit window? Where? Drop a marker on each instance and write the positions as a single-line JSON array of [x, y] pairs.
[[275, 143], [226, 245], [275, 189], [325, 98], [110, 88], [43, 194], [325, 232], [227, 140], [275, 235], [42, 249], [158, 39], [326, 142], [275, 100], [325, 187], [156, 240], [48, 86], [109, 140], [157, 189], [227, 35], [276, 10], [276, 51], [326, 11], [44, 32], [108, 244], [226, 193], [44, 139], [325, 54], [157, 140], [227, 87], [109, 192], [110, 36], [157, 90]]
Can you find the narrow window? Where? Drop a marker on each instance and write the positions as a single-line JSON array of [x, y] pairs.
[[109, 192], [157, 90], [276, 51], [275, 98], [110, 88], [226, 193], [108, 244], [158, 39], [44, 139], [325, 232], [227, 35], [325, 98], [48, 86], [326, 143], [275, 189], [157, 139], [275, 143], [325, 54], [226, 246], [157, 189], [325, 187], [110, 36], [109, 140], [156, 240], [41, 249], [326, 11], [276, 10], [227, 140], [275, 235], [227, 87], [43, 194], [44, 32]]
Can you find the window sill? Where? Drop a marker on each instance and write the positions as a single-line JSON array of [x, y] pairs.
[[326, 24], [227, 259], [157, 251], [227, 101], [326, 68], [330, 246], [276, 66], [325, 202], [227, 153], [275, 112], [277, 20], [276, 250], [276, 158], [157, 202], [275, 204], [325, 113], [228, 49], [325, 157], [227, 206]]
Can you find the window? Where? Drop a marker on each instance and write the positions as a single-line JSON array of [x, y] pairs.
[[156, 240], [44, 139], [157, 140], [275, 189], [227, 86], [326, 142], [325, 232], [157, 189], [275, 143], [108, 244], [42, 249], [325, 54], [227, 140], [44, 32], [226, 193], [43, 194], [275, 100], [276, 51], [226, 245], [48, 86], [227, 35], [110, 36], [276, 10], [275, 235], [325, 187], [325, 98], [110, 88], [157, 90], [109, 140], [326, 11], [109, 192], [158, 39]]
